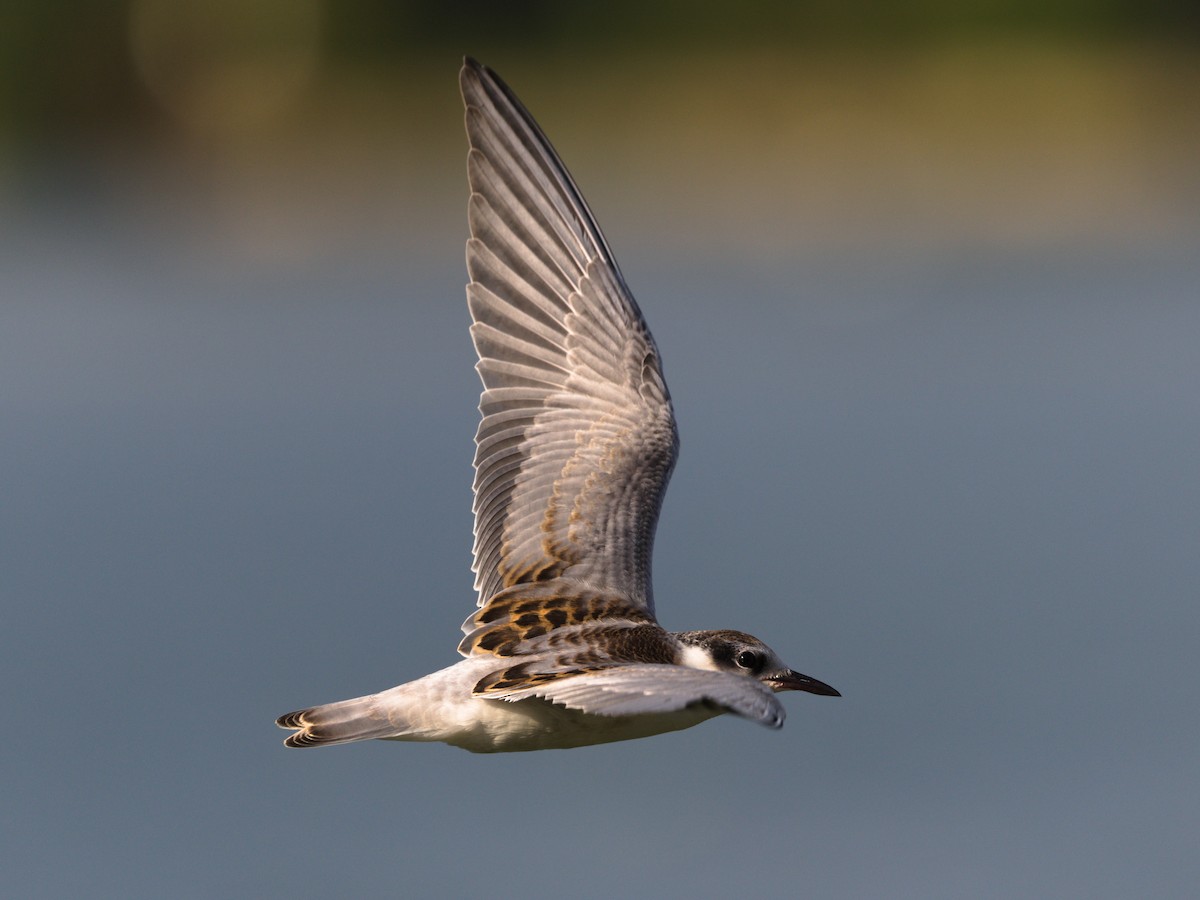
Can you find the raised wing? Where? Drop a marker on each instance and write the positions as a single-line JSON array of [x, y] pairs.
[[578, 437], [638, 689]]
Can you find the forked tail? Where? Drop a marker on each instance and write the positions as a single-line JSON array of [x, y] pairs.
[[359, 719]]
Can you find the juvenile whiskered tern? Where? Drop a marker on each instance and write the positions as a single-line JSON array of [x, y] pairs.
[[573, 453]]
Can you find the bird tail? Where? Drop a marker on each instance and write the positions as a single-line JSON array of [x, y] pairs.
[[359, 719]]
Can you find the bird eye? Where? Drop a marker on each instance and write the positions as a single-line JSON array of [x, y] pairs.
[[747, 659]]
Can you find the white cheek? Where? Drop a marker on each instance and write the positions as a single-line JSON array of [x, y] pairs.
[[697, 658]]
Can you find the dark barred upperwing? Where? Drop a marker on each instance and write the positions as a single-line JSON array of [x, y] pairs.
[[577, 439], [557, 629], [560, 616]]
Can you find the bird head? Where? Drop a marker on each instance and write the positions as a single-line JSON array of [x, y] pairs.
[[743, 654]]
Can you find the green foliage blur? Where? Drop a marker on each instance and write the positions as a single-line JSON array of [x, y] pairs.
[[67, 67]]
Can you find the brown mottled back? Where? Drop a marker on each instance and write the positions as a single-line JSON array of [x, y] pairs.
[[551, 615]]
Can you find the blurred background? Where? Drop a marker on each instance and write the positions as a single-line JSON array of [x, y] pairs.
[[924, 277]]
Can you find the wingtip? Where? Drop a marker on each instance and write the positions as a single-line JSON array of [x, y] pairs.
[[473, 68], [472, 78]]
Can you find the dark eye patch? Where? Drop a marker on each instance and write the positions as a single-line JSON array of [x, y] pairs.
[[748, 659]]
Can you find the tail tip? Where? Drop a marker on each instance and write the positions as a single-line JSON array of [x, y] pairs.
[[303, 736]]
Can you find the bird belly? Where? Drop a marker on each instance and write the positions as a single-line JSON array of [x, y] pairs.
[[501, 726], [441, 707]]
